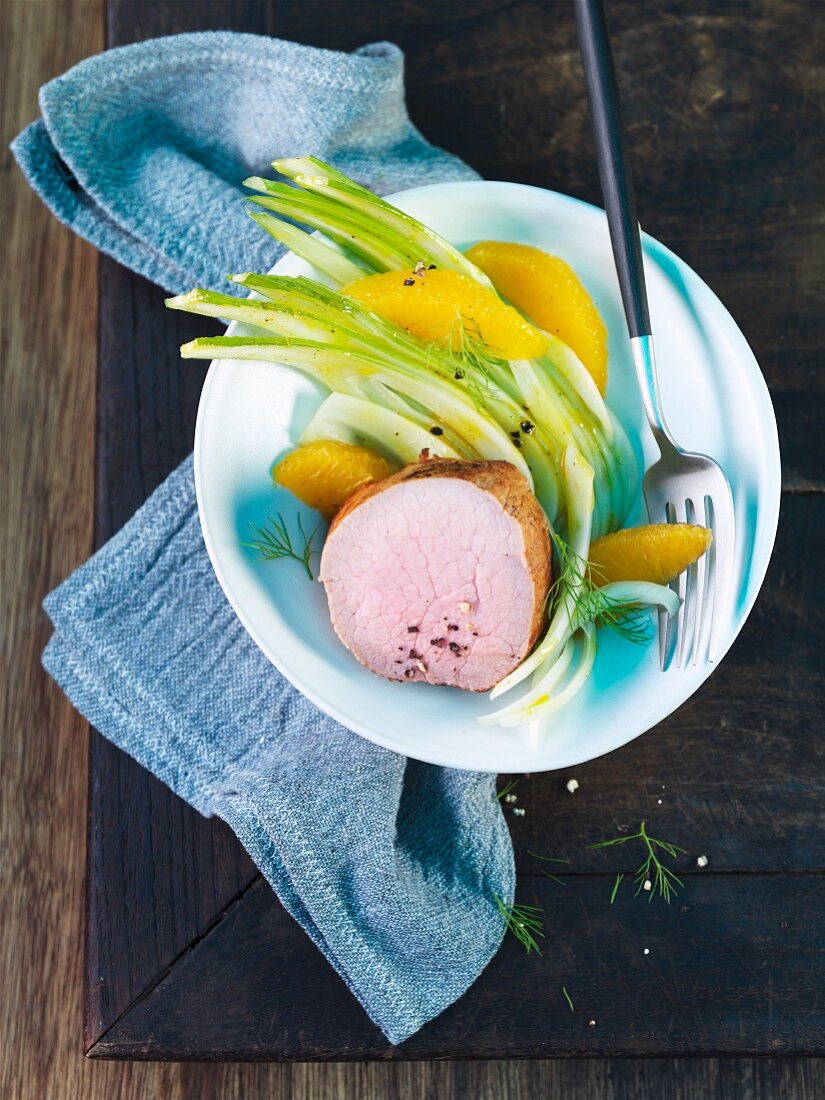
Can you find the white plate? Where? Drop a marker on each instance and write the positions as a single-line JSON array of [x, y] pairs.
[[716, 402]]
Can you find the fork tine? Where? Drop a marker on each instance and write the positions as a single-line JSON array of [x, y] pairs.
[[702, 567], [669, 627], [690, 609], [658, 514], [667, 639], [721, 509], [664, 618], [674, 623], [712, 592]]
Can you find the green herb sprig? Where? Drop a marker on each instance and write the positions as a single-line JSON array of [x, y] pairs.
[[549, 859], [590, 604], [546, 859], [466, 358], [476, 362], [505, 790], [524, 922], [663, 881], [568, 998], [274, 542]]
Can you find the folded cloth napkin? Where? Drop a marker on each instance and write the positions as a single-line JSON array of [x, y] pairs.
[[391, 866], [142, 150]]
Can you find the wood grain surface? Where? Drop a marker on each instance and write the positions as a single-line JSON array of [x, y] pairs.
[[742, 789], [745, 786]]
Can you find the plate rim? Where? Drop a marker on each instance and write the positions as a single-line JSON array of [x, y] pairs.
[[769, 501]]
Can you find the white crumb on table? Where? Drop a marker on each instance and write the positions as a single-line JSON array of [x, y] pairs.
[[648, 885], [702, 861], [572, 785]]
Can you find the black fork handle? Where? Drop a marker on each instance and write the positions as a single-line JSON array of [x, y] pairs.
[[614, 163]]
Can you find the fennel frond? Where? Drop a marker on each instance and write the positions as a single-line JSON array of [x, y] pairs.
[[651, 875], [524, 922], [274, 542]]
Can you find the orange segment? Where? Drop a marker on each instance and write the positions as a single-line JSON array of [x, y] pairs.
[[325, 473], [550, 293], [657, 553], [430, 302]]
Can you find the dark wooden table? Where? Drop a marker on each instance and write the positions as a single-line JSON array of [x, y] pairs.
[[190, 955]]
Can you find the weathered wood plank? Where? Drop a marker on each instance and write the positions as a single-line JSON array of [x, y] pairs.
[[158, 873], [738, 770], [48, 442], [735, 964], [501, 85]]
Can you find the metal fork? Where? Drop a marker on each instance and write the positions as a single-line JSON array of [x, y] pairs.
[[681, 487]]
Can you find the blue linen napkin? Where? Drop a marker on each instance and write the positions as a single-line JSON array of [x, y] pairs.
[[391, 866], [142, 150]]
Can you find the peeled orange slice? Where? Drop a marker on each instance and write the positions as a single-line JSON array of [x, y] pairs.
[[429, 304], [550, 293], [323, 474], [656, 553]]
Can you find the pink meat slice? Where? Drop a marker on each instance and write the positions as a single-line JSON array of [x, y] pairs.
[[440, 573]]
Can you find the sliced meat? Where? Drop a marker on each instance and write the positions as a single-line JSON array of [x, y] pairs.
[[440, 573]]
